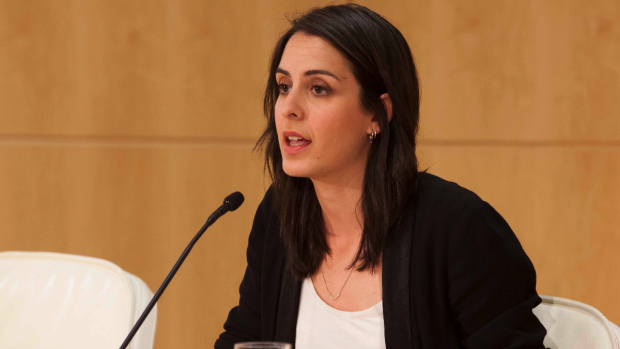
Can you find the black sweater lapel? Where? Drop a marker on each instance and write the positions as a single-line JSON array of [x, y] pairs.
[[396, 282], [288, 308]]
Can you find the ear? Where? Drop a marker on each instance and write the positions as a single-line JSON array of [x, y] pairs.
[[387, 102]]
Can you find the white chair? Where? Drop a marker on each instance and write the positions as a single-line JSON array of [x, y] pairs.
[[574, 325], [54, 300]]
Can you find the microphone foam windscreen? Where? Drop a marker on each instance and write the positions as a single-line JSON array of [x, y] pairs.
[[234, 200]]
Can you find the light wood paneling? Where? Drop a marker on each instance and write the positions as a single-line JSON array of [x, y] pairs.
[[519, 70], [516, 70], [139, 207], [562, 202], [118, 68]]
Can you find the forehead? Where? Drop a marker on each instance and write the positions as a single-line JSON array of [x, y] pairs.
[[307, 52]]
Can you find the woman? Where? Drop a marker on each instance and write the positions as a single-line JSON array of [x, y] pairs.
[[351, 247]]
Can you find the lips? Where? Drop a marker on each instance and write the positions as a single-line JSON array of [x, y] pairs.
[[294, 143]]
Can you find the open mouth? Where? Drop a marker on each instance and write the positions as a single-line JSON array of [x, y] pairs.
[[297, 141], [294, 142]]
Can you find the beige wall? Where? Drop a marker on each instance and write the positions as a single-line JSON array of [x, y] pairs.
[[123, 124]]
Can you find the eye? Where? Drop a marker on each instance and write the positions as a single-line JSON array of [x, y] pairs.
[[320, 90], [283, 88]]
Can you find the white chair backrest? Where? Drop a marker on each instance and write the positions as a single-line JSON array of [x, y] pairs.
[[617, 331], [574, 325], [53, 300], [142, 295]]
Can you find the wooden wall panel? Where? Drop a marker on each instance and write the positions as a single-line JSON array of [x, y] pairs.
[[562, 202], [139, 206], [519, 70], [127, 68], [516, 70]]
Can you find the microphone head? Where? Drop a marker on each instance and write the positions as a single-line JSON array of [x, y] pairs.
[[234, 200]]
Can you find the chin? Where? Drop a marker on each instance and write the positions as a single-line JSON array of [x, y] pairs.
[[295, 169]]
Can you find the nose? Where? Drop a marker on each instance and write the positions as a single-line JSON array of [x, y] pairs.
[[291, 104]]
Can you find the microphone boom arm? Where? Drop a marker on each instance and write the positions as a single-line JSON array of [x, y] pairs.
[[231, 203]]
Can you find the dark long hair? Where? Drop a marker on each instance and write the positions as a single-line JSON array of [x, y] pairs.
[[381, 62]]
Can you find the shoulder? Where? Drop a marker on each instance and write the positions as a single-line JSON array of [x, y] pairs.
[[265, 213], [266, 205], [435, 186], [465, 227], [266, 223], [445, 199], [460, 220]]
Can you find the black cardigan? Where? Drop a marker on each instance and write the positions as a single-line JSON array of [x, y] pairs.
[[454, 276]]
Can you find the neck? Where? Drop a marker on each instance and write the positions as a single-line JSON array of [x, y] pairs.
[[341, 206]]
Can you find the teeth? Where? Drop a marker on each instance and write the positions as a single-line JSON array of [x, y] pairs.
[[294, 138]]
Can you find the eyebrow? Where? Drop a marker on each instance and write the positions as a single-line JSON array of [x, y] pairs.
[[309, 72]]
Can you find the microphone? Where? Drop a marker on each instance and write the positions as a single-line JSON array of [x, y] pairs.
[[231, 203]]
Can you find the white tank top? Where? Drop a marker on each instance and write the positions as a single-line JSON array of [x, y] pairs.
[[319, 326]]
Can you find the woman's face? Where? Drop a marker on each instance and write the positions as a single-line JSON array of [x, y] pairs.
[[322, 127]]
